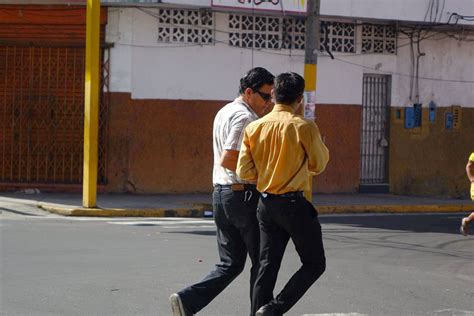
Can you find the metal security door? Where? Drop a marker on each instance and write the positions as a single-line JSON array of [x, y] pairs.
[[42, 115], [375, 127]]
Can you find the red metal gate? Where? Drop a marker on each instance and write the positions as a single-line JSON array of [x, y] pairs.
[[42, 95], [42, 115]]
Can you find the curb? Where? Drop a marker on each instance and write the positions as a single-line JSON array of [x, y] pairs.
[[205, 210], [197, 210]]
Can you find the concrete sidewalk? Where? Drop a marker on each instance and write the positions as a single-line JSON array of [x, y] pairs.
[[199, 205]]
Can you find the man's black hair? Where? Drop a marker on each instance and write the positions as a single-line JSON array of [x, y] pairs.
[[255, 78], [289, 86]]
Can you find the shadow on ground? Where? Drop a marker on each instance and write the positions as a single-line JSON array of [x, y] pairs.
[[419, 223]]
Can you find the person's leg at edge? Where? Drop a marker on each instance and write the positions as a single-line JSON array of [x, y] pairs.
[[232, 253], [305, 232], [273, 241]]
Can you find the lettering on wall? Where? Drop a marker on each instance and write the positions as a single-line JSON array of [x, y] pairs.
[[296, 6]]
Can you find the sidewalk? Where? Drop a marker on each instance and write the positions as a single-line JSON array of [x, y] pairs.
[[199, 205]]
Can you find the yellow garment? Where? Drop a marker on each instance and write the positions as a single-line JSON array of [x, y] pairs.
[[471, 158], [280, 151], [472, 191]]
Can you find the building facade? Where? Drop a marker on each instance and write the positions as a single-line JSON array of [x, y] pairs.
[[395, 100]]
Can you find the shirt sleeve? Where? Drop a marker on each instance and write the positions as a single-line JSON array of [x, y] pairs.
[[245, 165], [236, 133], [316, 150]]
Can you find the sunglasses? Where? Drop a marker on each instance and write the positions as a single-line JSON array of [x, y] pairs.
[[265, 96]]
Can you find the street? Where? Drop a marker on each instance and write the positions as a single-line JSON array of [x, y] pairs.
[[392, 264]]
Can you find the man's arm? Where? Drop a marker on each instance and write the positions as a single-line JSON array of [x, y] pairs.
[[316, 150], [229, 159], [245, 165], [233, 142], [470, 170]]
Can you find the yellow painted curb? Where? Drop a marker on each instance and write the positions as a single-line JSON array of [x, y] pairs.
[[197, 210]]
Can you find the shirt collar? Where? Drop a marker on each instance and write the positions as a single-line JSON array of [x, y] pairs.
[[282, 108], [241, 101]]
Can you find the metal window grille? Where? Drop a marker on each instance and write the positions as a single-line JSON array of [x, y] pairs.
[[185, 26], [379, 39], [264, 32], [338, 37]]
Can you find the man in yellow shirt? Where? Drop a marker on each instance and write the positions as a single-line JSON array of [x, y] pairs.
[[279, 152], [466, 221]]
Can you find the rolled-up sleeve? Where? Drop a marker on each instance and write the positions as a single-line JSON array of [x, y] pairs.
[[245, 165], [316, 150]]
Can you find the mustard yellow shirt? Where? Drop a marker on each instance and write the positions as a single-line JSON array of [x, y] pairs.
[[280, 151]]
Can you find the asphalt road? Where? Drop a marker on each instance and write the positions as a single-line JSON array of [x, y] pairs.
[[398, 264]]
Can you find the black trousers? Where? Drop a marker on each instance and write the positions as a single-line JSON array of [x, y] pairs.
[[280, 219], [237, 235]]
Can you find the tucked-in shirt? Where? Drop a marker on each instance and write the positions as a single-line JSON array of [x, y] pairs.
[[228, 131], [280, 151]]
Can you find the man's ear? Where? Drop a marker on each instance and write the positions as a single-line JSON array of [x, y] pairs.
[[299, 105], [248, 92], [300, 99]]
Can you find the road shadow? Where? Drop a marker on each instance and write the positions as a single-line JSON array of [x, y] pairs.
[[195, 232], [446, 223], [4, 209], [419, 223]]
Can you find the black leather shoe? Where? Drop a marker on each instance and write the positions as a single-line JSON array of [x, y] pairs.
[[267, 310], [177, 306]]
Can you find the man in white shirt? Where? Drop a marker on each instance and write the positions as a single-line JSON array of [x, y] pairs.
[[234, 200]]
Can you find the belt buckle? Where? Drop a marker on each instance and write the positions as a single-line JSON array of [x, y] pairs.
[[237, 187]]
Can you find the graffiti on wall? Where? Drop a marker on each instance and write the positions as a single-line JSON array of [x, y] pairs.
[[259, 2], [297, 6]]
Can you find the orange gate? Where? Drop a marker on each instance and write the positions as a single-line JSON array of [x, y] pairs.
[[42, 104]]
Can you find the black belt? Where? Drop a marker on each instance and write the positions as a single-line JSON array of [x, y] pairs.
[[237, 186], [294, 194]]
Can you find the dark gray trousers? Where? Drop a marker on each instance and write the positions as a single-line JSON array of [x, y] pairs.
[[282, 218], [237, 235]]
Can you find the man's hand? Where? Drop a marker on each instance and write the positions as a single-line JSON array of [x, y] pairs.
[[229, 159]]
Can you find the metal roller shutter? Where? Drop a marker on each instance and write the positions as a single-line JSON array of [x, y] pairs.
[[42, 96]]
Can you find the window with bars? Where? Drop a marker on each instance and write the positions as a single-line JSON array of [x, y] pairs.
[[267, 32], [338, 37], [185, 26], [379, 39]]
